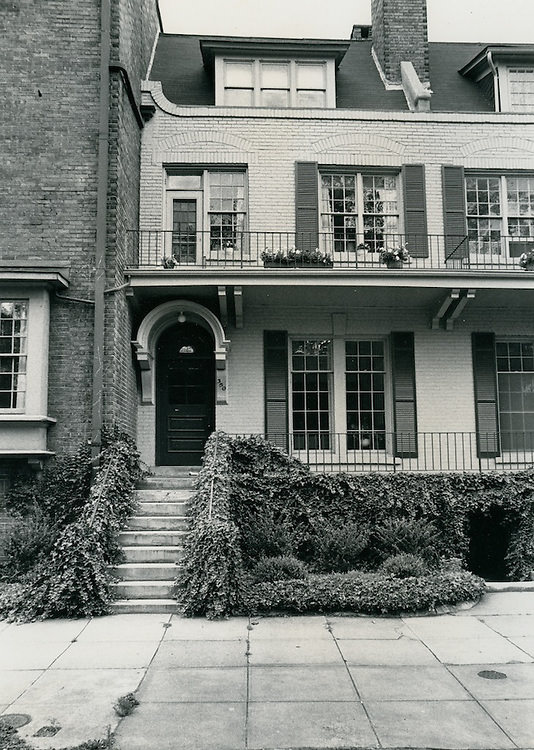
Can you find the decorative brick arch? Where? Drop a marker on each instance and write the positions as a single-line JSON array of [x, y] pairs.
[[513, 146], [157, 321], [348, 140], [213, 137]]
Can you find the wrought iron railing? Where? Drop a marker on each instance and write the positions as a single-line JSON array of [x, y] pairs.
[[416, 452], [173, 250]]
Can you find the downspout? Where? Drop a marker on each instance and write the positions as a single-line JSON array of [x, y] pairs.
[[496, 81], [101, 231]]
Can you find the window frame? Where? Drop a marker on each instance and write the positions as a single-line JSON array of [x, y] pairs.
[[510, 450], [21, 355], [359, 173], [227, 250], [504, 217], [505, 87], [293, 63]]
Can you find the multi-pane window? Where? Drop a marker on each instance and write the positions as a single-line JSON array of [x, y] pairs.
[[365, 395], [13, 337], [515, 376], [521, 88], [311, 382], [275, 83], [359, 209], [500, 213], [226, 209]]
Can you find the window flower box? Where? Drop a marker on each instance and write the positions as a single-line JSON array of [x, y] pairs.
[[395, 257], [294, 258], [526, 260]]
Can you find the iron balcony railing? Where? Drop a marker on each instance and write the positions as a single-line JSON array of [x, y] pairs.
[[232, 249], [414, 452]]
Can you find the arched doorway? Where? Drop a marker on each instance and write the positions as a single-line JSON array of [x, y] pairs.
[[185, 394]]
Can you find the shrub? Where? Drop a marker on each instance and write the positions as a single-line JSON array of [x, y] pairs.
[[30, 539], [340, 548], [263, 535], [404, 565], [279, 568], [125, 705], [365, 593], [411, 536]]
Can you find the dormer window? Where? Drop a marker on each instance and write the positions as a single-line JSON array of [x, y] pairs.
[[512, 69], [517, 88], [275, 83], [274, 73]]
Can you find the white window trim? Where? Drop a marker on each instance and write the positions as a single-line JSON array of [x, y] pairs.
[[503, 102], [330, 80]]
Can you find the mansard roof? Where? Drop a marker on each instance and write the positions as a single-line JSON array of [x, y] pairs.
[[186, 80]]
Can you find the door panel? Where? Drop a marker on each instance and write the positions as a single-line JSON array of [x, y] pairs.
[[185, 395]]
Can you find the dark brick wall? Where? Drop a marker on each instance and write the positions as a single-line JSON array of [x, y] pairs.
[[48, 183], [400, 33]]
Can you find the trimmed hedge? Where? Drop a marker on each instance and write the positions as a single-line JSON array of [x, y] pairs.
[[363, 593], [250, 493]]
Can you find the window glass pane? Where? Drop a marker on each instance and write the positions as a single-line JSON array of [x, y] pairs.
[[311, 76], [239, 74], [274, 98], [184, 182], [311, 98], [311, 392], [239, 97], [275, 75], [521, 82], [515, 377], [13, 354], [365, 395]]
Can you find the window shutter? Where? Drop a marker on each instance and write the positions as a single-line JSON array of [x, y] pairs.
[[405, 418], [307, 205], [485, 380], [415, 226], [275, 353], [454, 221]]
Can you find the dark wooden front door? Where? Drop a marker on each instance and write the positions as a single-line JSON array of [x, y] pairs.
[[185, 403]]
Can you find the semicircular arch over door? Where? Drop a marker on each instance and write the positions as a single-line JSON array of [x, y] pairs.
[[185, 394]]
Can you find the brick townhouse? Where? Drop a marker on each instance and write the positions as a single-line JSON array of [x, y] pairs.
[[202, 246]]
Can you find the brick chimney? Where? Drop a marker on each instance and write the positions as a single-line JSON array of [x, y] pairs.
[[400, 34]]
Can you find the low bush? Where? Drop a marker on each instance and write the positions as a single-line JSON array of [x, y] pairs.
[[414, 536], [278, 569], [404, 565], [364, 593], [30, 538], [340, 548], [263, 535]]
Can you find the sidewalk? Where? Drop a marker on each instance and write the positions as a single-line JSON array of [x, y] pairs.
[[455, 681]]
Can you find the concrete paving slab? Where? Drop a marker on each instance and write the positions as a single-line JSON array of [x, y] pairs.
[[199, 629], [387, 653], [289, 627], [19, 654], [525, 643], [47, 631], [502, 603], [516, 717], [104, 655], [81, 686], [308, 725], [290, 651], [174, 654], [368, 628], [497, 650], [448, 626], [407, 683], [14, 682], [188, 726], [510, 625], [519, 682], [142, 627], [78, 722], [435, 724], [295, 683], [194, 685]]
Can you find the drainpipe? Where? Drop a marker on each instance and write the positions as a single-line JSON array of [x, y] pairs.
[[496, 81], [101, 232]]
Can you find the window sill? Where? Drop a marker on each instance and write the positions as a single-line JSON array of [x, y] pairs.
[[19, 417]]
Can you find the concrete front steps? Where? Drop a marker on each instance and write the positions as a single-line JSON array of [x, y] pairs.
[[153, 542]]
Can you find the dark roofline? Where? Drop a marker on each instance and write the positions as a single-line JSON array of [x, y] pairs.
[[329, 48], [517, 51]]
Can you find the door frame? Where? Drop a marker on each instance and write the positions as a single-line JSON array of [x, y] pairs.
[[198, 196]]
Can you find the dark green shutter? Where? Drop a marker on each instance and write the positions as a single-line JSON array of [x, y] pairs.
[[403, 361], [415, 226], [454, 221], [485, 381], [307, 205], [275, 382]]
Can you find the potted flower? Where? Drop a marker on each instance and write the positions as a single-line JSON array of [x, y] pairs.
[[526, 260], [394, 257], [296, 258]]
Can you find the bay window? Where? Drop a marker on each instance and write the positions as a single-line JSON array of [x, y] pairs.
[[13, 354]]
